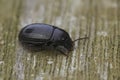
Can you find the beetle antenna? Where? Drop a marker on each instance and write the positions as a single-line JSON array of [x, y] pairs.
[[80, 39]]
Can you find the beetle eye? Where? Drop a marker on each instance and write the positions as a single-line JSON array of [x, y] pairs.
[[63, 38], [28, 30]]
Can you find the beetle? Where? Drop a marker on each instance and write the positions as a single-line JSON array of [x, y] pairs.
[[40, 36]]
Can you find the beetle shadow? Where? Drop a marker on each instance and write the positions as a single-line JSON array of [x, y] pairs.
[[46, 53], [35, 51]]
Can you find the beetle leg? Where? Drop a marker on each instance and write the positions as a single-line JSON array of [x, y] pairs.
[[62, 50]]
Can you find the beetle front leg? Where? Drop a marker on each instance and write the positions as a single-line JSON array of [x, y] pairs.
[[62, 50]]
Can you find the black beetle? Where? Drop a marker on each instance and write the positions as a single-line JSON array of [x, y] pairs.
[[40, 36]]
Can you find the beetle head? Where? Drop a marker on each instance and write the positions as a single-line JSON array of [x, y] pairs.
[[62, 41]]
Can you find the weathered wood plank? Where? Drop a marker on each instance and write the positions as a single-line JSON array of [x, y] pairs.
[[9, 18], [97, 58]]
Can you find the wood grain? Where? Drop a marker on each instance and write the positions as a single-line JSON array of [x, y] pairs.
[[96, 58]]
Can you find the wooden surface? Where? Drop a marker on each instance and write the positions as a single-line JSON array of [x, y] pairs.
[[97, 58]]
